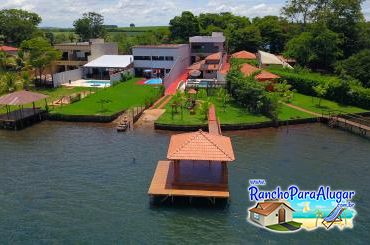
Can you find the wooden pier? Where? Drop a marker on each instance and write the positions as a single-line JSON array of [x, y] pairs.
[[351, 122], [19, 119], [163, 185]]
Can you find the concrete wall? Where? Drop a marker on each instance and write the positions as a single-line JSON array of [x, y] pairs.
[[100, 49], [179, 68], [64, 77]]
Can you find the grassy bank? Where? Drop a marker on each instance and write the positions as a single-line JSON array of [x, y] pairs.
[[112, 100], [54, 94], [312, 104], [232, 114]]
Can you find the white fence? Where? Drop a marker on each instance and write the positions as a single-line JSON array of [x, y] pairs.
[[66, 76]]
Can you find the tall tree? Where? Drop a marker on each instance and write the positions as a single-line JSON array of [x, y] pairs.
[[184, 26], [248, 38], [91, 25], [273, 33], [356, 66], [299, 11], [17, 25], [317, 48], [41, 53]]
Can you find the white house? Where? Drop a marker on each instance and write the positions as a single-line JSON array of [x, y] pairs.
[[271, 213], [160, 59]]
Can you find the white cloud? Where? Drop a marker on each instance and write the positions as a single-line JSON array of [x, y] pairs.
[[143, 12]]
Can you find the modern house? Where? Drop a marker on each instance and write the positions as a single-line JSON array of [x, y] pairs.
[[166, 61], [203, 46], [271, 213], [75, 55], [9, 50]]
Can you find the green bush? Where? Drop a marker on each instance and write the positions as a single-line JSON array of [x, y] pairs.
[[348, 92]]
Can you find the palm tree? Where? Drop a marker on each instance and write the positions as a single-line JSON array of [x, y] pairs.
[[319, 214], [204, 108], [225, 99]]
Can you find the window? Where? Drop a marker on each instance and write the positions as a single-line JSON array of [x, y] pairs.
[[168, 70], [157, 57], [169, 58], [142, 58], [256, 216]]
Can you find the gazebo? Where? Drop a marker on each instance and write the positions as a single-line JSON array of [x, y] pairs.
[[200, 159], [21, 117], [196, 165]]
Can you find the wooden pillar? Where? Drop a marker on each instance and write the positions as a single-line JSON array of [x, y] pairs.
[[176, 170], [224, 173]]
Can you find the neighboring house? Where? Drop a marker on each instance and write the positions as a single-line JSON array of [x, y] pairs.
[[266, 60], [75, 55], [271, 213], [9, 50], [244, 55], [203, 46], [262, 76], [161, 60]]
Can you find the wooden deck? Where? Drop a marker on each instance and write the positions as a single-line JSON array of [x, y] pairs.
[[20, 119], [162, 185]]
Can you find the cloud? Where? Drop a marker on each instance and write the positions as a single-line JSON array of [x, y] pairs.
[[61, 13]]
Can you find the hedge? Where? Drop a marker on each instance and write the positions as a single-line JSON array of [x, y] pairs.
[[339, 90]]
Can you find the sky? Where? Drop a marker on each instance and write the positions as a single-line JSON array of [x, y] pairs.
[[61, 13]]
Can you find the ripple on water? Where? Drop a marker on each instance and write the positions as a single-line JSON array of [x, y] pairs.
[[63, 182]]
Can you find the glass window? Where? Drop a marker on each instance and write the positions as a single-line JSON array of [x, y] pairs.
[[142, 58], [256, 216], [169, 58]]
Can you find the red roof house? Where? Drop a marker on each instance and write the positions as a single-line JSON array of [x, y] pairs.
[[244, 55]]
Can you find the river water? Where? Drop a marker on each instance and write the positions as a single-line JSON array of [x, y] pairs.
[[84, 183]]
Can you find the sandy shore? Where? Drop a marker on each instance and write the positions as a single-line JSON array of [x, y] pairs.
[[310, 224]]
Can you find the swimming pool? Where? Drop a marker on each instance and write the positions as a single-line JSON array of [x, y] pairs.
[[154, 81], [97, 83]]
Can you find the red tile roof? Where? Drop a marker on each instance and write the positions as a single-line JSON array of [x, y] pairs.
[[200, 146], [225, 68], [197, 65], [8, 48], [266, 208], [215, 56], [248, 70], [244, 55]]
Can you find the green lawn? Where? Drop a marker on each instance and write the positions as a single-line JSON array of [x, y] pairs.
[[54, 94], [312, 104], [119, 97], [232, 114], [288, 113], [279, 227]]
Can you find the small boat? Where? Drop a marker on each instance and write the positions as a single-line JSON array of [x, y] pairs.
[[122, 127]]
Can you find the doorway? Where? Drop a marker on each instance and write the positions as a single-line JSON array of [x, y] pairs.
[[281, 215]]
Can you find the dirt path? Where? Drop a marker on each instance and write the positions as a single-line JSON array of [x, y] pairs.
[[302, 109], [149, 117]]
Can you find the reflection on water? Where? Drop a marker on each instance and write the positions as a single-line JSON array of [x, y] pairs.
[[63, 182]]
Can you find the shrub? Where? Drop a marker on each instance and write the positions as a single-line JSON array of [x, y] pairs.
[[348, 92]]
